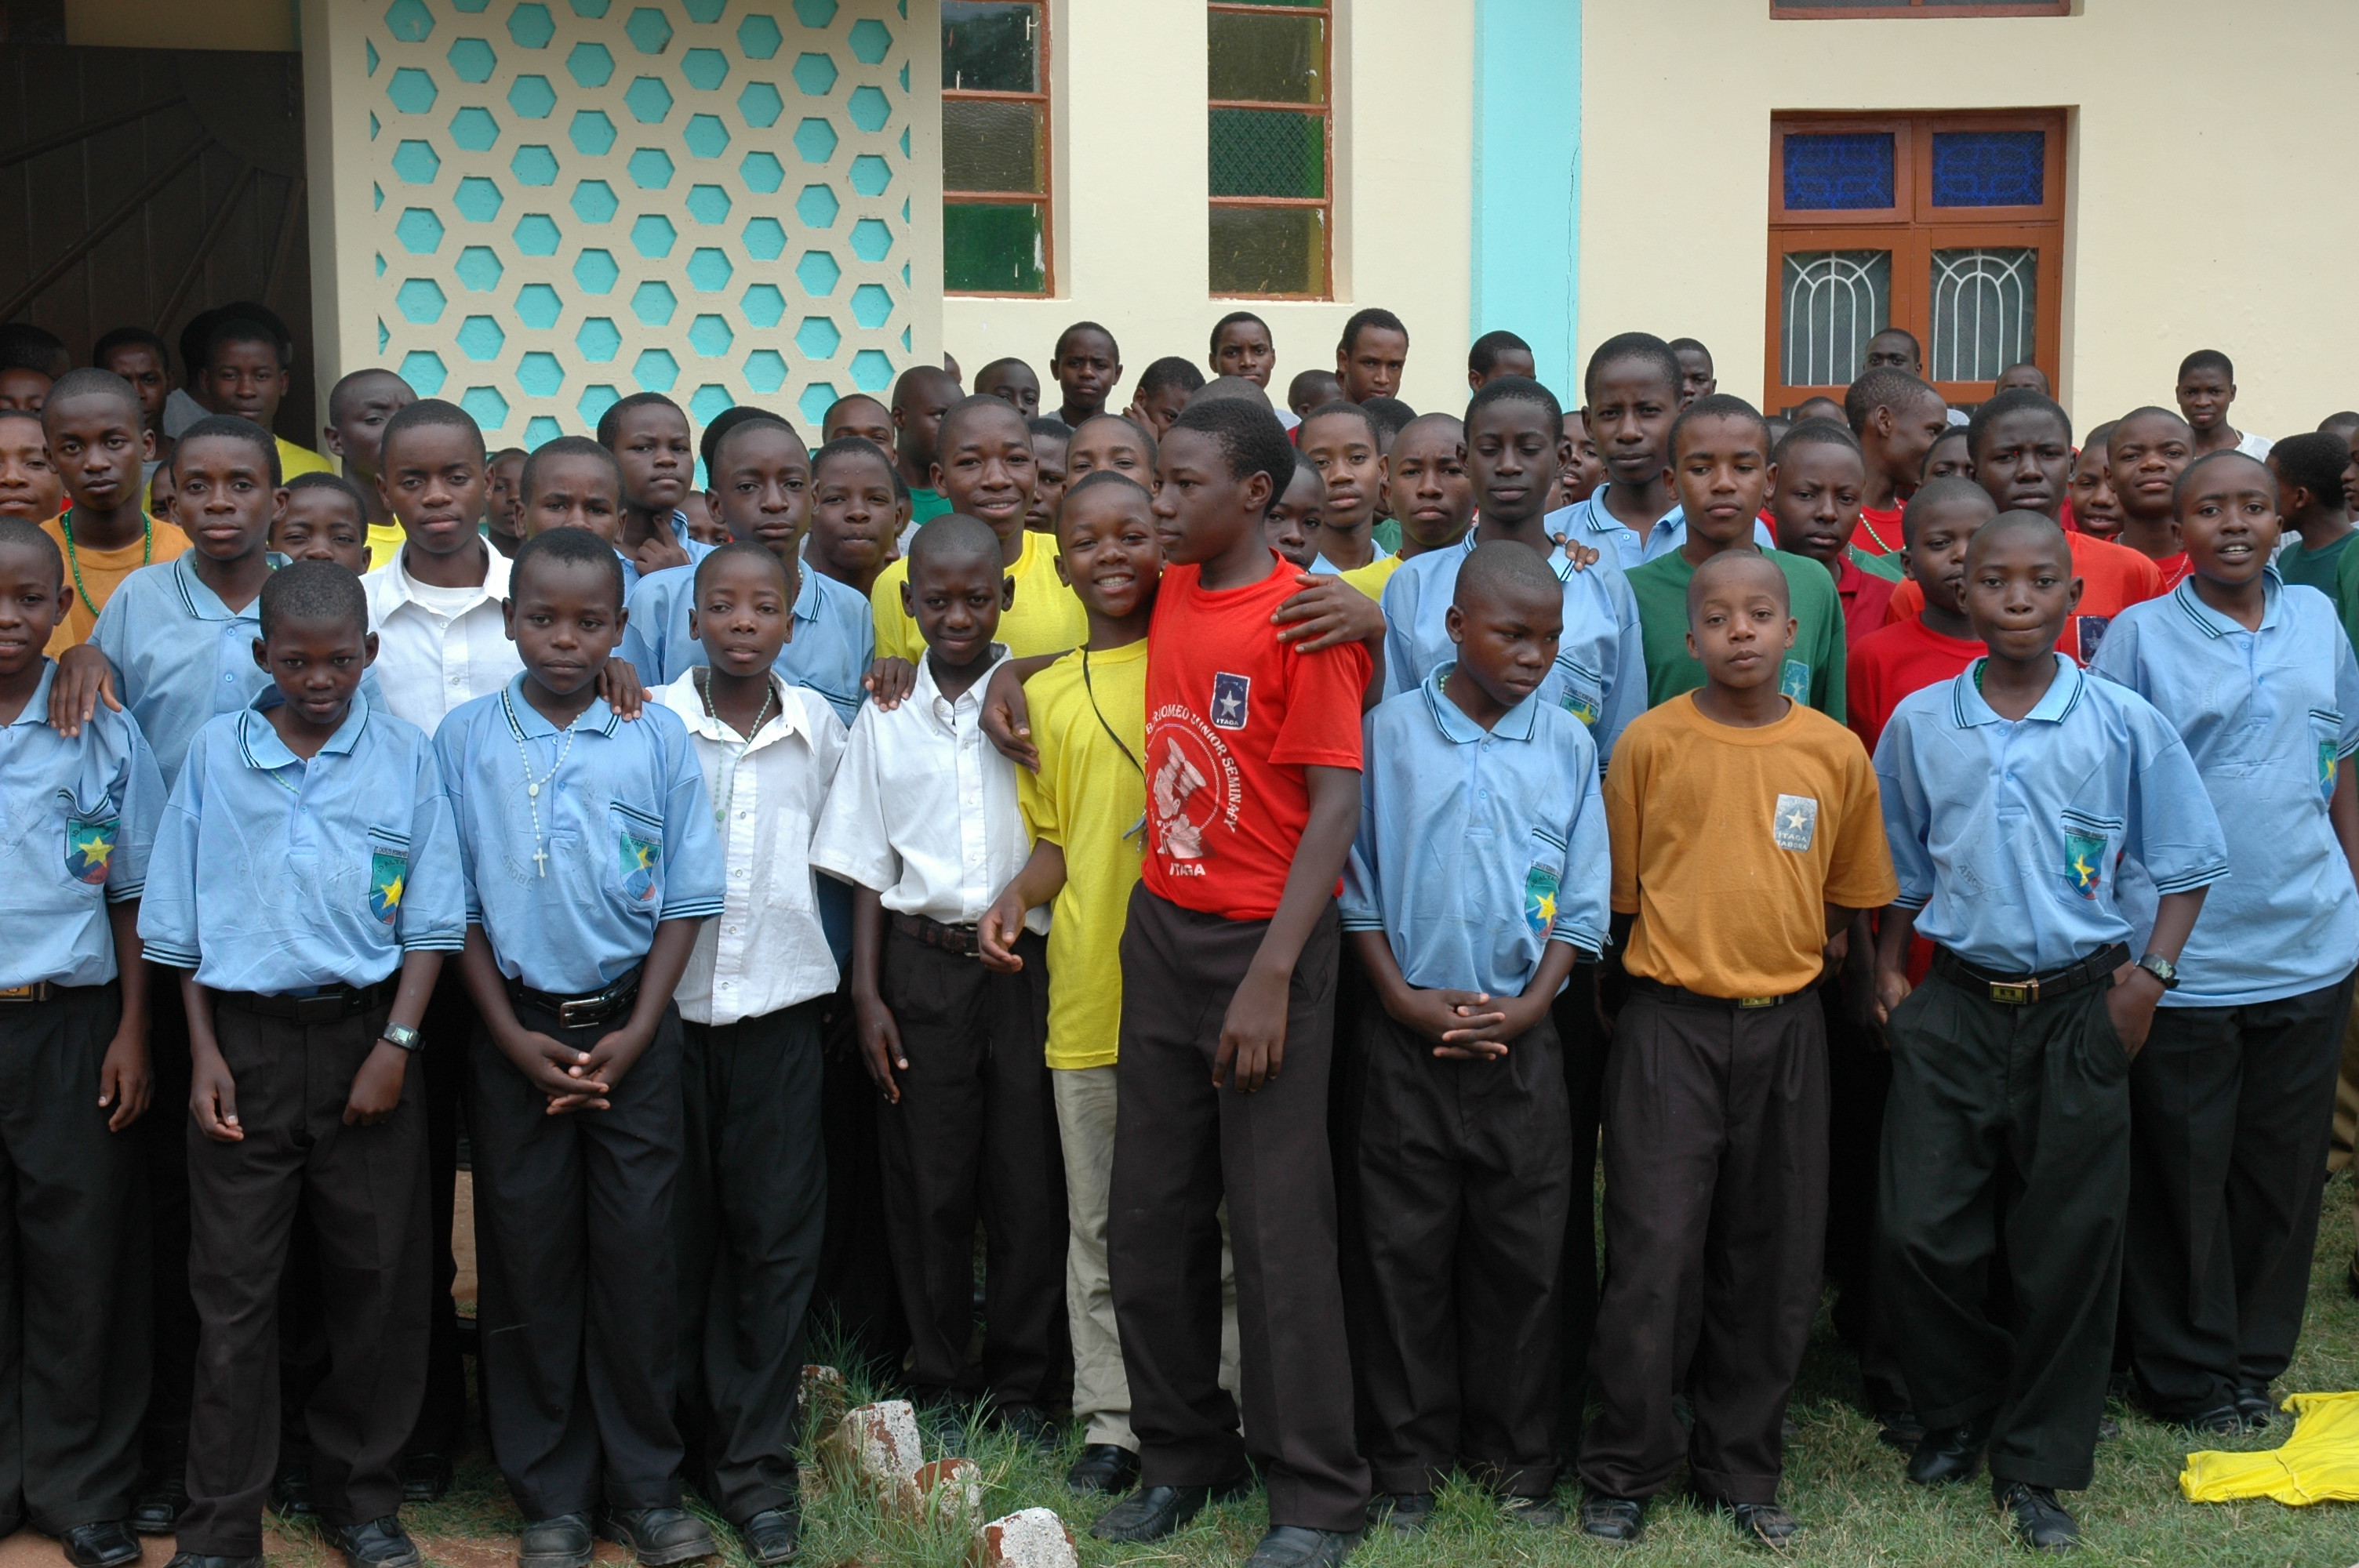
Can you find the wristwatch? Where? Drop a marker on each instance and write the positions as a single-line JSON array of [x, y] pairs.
[[403, 1038], [2164, 971]]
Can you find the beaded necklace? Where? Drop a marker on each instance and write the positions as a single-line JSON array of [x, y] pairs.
[[73, 556]]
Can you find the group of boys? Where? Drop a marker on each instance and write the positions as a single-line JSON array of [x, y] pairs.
[[1286, 849]]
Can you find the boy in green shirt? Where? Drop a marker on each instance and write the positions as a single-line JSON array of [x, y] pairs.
[[2308, 471]]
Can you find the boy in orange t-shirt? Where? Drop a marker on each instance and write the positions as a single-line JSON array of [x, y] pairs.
[[98, 443]]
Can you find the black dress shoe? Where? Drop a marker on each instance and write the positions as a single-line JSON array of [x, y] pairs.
[[1296, 1546], [1030, 1425], [157, 1507], [377, 1543], [2038, 1519], [104, 1544], [424, 1477], [1534, 1513], [1621, 1520], [1408, 1513], [1762, 1524], [661, 1536], [2260, 1411], [199, 1560], [1901, 1428], [1950, 1453], [2223, 1420], [772, 1536], [1151, 1513], [560, 1542], [1105, 1469], [291, 1490]]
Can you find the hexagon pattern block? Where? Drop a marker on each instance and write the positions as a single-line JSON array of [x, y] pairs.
[[449, 81]]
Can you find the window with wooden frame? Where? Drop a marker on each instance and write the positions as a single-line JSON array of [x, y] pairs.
[[1949, 226], [1272, 143], [1812, 10], [996, 229]]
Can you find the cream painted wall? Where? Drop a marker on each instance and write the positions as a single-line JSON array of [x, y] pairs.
[[1128, 86], [2201, 178]]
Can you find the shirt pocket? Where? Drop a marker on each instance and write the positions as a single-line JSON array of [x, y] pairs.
[[1581, 691], [2087, 848], [388, 873], [1794, 681], [1516, 944], [2325, 740], [87, 843], [639, 840]]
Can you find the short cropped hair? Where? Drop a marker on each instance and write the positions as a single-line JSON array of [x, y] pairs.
[[740, 549], [2008, 523], [1643, 346], [846, 448], [1054, 429], [1812, 433], [1880, 389], [2018, 400], [2207, 359], [1238, 318], [344, 383], [1391, 415], [979, 405], [1517, 389], [93, 381], [243, 329], [430, 413], [610, 423], [1944, 491], [1169, 372], [230, 427], [313, 590], [1916, 349], [1234, 386], [1066, 336], [954, 536], [2314, 461], [568, 547], [1250, 438], [567, 447], [1728, 561], [320, 479], [1484, 356], [2151, 411], [130, 338], [1146, 437], [1691, 346], [1717, 405], [1499, 563], [717, 436], [1372, 316], [28, 536], [2179, 486], [1344, 408], [24, 346], [1098, 479], [728, 420]]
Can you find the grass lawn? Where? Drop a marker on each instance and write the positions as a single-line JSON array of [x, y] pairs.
[[1840, 1482]]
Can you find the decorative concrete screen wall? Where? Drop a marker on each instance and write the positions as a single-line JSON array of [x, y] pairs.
[[542, 205]]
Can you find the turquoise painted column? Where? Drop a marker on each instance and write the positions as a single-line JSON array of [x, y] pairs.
[[1527, 218]]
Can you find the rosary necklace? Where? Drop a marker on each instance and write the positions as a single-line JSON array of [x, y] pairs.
[[736, 753], [532, 786]]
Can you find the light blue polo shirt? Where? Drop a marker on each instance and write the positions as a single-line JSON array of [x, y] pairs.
[[1320, 563], [625, 830], [77, 820], [1477, 848], [1601, 659], [2006, 833], [834, 643], [2269, 717], [1589, 522], [278, 876], [182, 657]]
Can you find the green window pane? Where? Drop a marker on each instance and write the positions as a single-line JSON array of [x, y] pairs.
[[993, 247], [1268, 60], [991, 46], [1269, 152], [989, 144], [1269, 249]]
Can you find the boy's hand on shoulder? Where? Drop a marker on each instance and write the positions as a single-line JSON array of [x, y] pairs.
[[1253, 1034], [619, 687], [1007, 718], [880, 1044], [1580, 555], [995, 934], [124, 1082], [889, 681], [377, 1088], [660, 553], [84, 679], [1327, 613], [213, 1096]]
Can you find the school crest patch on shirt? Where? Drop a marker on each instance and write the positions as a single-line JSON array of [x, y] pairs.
[[1231, 700], [1582, 706], [642, 859], [2089, 635], [1794, 680], [1797, 822], [90, 849], [1539, 900], [2084, 862], [2326, 766], [388, 874]]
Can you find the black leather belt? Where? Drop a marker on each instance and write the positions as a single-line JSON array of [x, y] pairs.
[[959, 939], [1680, 996], [329, 1006], [581, 1011], [2022, 990]]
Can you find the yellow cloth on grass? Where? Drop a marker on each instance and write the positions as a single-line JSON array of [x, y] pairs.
[[2318, 1463]]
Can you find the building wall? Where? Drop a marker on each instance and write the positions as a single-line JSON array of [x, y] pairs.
[[2201, 178], [533, 206], [1128, 86]]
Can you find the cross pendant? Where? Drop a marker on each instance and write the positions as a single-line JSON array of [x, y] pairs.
[[540, 858]]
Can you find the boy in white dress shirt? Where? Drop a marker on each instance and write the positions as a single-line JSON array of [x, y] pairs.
[[752, 1202], [923, 821]]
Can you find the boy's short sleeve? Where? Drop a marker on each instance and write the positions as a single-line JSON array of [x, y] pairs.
[[433, 907], [1361, 907], [897, 634], [1322, 728], [1829, 678], [1627, 699], [849, 843], [1907, 811], [168, 907], [1399, 605], [642, 646], [1621, 793], [1859, 873], [450, 759], [1036, 792], [693, 870], [2346, 697], [1584, 890], [2173, 830], [141, 814]]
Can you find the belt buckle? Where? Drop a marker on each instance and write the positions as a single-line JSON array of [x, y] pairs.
[[21, 993], [2015, 993], [581, 1011], [327, 1007], [1756, 1002]]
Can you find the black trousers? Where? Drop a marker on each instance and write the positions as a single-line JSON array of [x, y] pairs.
[[1465, 1174], [575, 1253], [1180, 1147], [164, 1135], [1583, 1046], [750, 1213], [1715, 1195], [365, 1190], [449, 1024], [1859, 1076], [855, 1286], [2230, 1112], [74, 1300], [974, 1135], [2006, 1145]]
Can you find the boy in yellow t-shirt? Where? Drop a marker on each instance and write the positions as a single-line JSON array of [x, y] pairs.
[[1085, 807], [984, 465], [1746, 830]]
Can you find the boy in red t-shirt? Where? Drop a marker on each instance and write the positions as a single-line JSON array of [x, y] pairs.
[[1938, 642], [1228, 973], [2146, 453]]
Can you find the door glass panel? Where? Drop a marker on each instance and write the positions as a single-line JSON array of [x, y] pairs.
[[1985, 311], [991, 46], [1276, 59], [1989, 169], [993, 247], [1269, 152], [1269, 249], [990, 143], [1831, 303], [1850, 171]]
